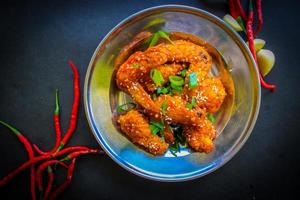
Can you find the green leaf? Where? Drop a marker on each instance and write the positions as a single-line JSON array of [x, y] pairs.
[[176, 81], [162, 90], [211, 117], [165, 35], [162, 135], [154, 22], [156, 36], [159, 125], [154, 39], [154, 130], [157, 77], [183, 73], [192, 104], [193, 80], [126, 107], [179, 139], [164, 106], [173, 152]]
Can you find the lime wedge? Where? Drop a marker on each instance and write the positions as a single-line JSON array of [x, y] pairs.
[[258, 44], [266, 61], [232, 22]]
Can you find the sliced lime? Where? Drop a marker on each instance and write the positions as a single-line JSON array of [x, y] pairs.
[[266, 61], [232, 22], [258, 44]]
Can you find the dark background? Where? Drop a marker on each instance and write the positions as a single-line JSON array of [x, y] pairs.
[[38, 37]]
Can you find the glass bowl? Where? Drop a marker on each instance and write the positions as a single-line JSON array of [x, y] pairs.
[[234, 122]]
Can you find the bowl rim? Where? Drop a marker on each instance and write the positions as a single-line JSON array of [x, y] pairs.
[[231, 153]]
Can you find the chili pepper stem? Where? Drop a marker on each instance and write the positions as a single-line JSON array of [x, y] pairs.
[[59, 148], [50, 182], [30, 153], [34, 160], [56, 103], [67, 158], [14, 130]]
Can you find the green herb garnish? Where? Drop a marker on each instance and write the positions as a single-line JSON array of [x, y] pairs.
[[162, 90], [192, 104], [183, 73], [154, 39], [174, 148], [176, 83], [154, 129], [179, 139], [157, 127], [193, 80], [156, 36], [126, 107], [157, 77], [165, 35], [164, 106], [154, 22], [211, 117]]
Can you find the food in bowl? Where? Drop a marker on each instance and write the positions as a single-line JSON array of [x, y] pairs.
[[168, 76]]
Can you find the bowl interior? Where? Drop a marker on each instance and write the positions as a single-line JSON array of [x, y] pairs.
[[234, 121]]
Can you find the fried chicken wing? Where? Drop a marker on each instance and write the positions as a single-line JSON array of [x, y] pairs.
[[169, 135], [136, 128], [166, 70], [200, 138], [187, 109], [176, 111], [209, 94], [132, 71]]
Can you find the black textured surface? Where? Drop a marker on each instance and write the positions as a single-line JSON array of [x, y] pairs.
[[38, 37]]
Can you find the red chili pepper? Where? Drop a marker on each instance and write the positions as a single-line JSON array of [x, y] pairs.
[[30, 153], [232, 9], [56, 127], [34, 160], [74, 112], [78, 153], [69, 149], [241, 10], [42, 167], [63, 186], [236, 9], [50, 182], [57, 151], [250, 37], [259, 16], [32, 182], [24, 166]]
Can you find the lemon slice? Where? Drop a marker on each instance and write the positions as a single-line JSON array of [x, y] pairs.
[[232, 22], [266, 61], [258, 44]]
